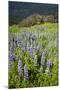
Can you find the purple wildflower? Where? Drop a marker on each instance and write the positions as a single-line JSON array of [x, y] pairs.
[[27, 34], [43, 57], [27, 48], [37, 47], [23, 48], [20, 67], [26, 76], [42, 62], [31, 51], [12, 57], [33, 37], [49, 63]]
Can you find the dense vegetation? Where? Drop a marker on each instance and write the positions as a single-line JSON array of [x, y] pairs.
[[33, 55], [33, 45], [38, 19]]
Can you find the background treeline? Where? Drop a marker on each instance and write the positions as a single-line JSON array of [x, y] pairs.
[[20, 12], [38, 19]]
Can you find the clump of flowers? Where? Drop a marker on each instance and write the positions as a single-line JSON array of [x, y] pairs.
[[11, 57], [20, 67], [49, 65], [26, 75]]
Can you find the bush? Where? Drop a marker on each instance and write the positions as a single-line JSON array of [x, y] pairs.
[[38, 19], [31, 20]]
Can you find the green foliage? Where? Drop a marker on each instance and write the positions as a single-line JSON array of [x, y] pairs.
[[31, 20], [14, 29], [38, 19], [36, 79]]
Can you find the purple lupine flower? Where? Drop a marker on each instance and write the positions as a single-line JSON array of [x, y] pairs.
[[18, 40], [24, 48], [31, 51], [27, 34], [32, 55], [43, 57], [37, 47], [11, 57], [43, 54], [20, 67], [42, 61], [26, 75], [33, 37], [28, 48], [49, 63]]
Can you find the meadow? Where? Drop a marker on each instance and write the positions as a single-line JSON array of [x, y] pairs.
[[33, 56]]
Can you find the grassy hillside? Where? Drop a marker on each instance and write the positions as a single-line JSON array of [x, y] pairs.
[[33, 55]]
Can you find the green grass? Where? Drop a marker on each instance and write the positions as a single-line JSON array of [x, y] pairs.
[[48, 39], [50, 26]]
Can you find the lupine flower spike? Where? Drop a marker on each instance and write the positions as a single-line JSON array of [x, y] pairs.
[[20, 67], [26, 75], [49, 65]]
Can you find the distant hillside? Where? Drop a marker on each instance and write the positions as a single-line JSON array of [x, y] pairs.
[[38, 19], [20, 10]]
